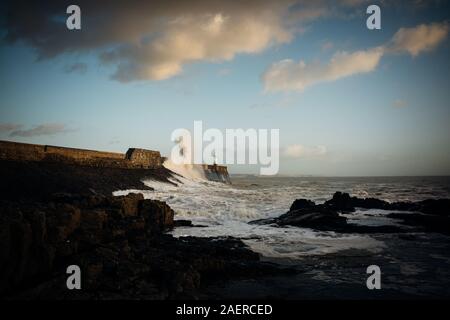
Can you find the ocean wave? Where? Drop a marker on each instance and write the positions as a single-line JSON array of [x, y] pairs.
[[225, 210]]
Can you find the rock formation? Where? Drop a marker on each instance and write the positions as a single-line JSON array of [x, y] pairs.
[[120, 245], [434, 215], [55, 214]]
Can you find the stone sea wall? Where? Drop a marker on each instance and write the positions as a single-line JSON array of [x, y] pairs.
[[144, 157], [134, 158]]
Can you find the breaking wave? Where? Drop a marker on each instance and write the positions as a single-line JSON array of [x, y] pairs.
[[225, 210]]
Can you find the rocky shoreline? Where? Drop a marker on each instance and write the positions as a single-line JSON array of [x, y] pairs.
[[119, 243], [432, 215], [55, 215], [120, 246], [39, 180]]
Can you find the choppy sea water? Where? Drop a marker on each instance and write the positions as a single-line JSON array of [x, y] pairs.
[[225, 210]]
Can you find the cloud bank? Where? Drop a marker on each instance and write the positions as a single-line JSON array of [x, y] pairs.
[[154, 40], [288, 75]]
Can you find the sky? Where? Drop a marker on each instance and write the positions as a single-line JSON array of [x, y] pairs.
[[348, 101]]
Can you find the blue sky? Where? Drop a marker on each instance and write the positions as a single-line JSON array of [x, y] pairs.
[[390, 120]]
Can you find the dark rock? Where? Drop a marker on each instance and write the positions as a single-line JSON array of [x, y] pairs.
[[425, 222], [42, 180], [437, 207], [341, 202], [301, 204], [127, 206], [319, 217], [35, 235], [344, 202], [157, 214], [120, 246], [370, 203], [326, 217], [182, 223], [54, 215]]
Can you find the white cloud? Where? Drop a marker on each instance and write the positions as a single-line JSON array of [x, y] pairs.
[[300, 151], [288, 75], [216, 37], [418, 39], [154, 40]]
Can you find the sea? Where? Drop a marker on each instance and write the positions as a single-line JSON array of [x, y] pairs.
[[221, 210]]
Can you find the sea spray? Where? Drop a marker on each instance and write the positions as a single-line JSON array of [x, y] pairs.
[[188, 171], [225, 210]]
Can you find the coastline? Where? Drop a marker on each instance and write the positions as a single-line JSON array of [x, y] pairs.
[[56, 214]]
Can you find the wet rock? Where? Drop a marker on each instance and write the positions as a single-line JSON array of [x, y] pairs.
[[424, 222], [41, 180], [437, 207], [319, 217], [341, 201], [301, 204], [344, 202], [120, 246], [182, 223], [93, 220], [57, 215], [37, 237], [157, 214], [128, 206], [327, 216]]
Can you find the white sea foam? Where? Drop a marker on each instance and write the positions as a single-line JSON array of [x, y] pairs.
[[225, 210], [373, 217]]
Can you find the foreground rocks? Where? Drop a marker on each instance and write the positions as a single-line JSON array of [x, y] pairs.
[[433, 215], [53, 215], [119, 244], [37, 237]]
